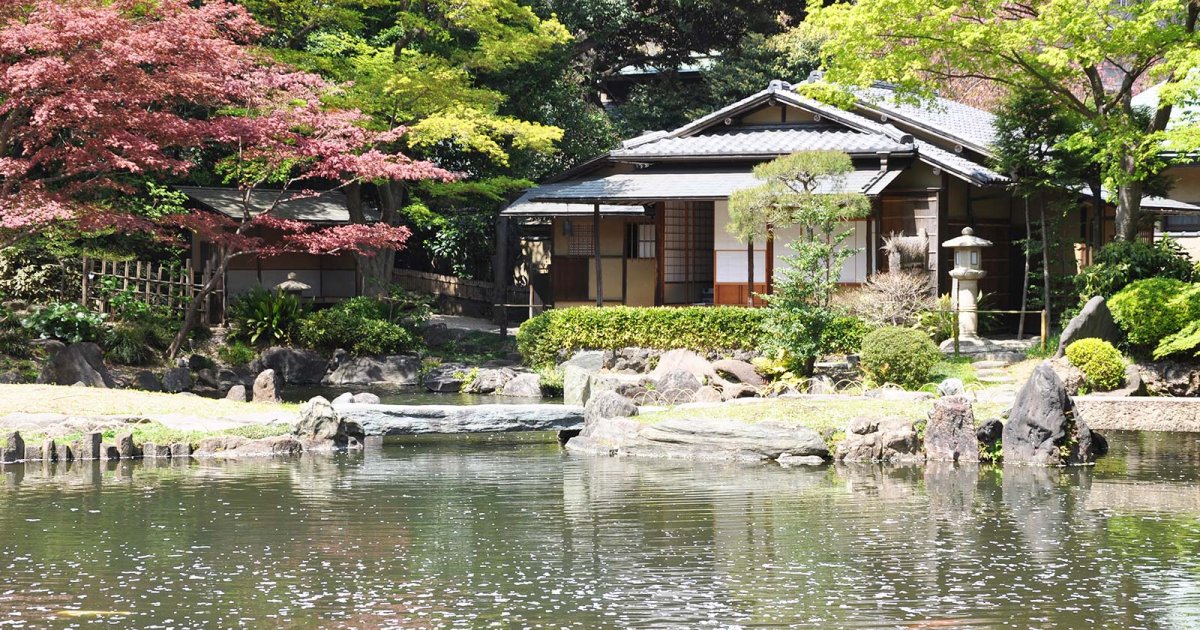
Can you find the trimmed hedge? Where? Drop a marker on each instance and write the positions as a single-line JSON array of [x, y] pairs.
[[1152, 309], [898, 355], [1102, 365], [558, 333]]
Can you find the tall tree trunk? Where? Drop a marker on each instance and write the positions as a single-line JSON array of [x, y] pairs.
[[377, 270], [1025, 282], [1129, 202]]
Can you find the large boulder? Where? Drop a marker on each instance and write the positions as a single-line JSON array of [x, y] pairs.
[[950, 434], [294, 366], [576, 385], [234, 446], [177, 379], [587, 360], [237, 392], [76, 363], [146, 381], [1093, 321], [608, 404], [523, 386], [893, 440], [1043, 429], [322, 428], [446, 378], [678, 381], [720, 439], [385, 370], [490, 380], [14, 448], [266, 387], [739, 372], [1171, 378], [684, 361]]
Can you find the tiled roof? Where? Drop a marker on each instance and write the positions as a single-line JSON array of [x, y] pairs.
[[328, 207], [650, 185], [525, 206], [958, 165], [942, 116], [763, 141]]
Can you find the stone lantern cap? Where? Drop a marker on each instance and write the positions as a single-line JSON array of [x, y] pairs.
[[968, 239], [292, 285]]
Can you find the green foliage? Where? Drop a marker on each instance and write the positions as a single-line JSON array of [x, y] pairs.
[[367, 326], [1149, 310], [551, 381], [843, 335], [34, 273], [1122, 262], [236, 353], [938, 323], [264, 318], [900, 356], [1102, 365], [14, 338], [128, 343], [66, 321], [1184, 342], [556, 334]]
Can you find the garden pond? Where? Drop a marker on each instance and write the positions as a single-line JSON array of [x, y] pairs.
[[510, 531]]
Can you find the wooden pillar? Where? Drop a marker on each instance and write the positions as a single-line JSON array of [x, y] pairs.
[[750, 273], [501, 275], [596, 254]]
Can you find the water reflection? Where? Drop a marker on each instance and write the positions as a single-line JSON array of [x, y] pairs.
[[505, 531]]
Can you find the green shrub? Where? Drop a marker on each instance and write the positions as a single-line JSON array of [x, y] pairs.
[[236, 353], [1184, 342], [127, 343], [1102, 366], [1152, 309], [355, 326], [551, 380], [843, 335], [264, 318], [901, 356], [14, 338], [32, 272], [940, 322], [558, 333], [66, 321], [1122, 262]]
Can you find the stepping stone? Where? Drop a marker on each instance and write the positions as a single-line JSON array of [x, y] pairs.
[[986, 364]]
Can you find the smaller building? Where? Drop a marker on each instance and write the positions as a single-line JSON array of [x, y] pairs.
[[332, 277]]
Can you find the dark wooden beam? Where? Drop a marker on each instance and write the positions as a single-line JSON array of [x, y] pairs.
[[596, 254]]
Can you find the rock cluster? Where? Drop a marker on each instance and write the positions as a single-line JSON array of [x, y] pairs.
[[677, 377], [1043, 428]]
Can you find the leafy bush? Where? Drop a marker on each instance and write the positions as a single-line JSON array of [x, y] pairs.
[[1122, 262], [360, 326], [32, 272], [901, 356], [1102, 366], [1186, 341], [843, 335], [236, 353], [66, 321], [896, 297], [1152, 309], [14, 338], [264, 318], [939, 322], [556, 334], [552, 381], [128, 343]]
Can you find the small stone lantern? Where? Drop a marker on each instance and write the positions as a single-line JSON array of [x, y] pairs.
[[292, 286], [968, 269]]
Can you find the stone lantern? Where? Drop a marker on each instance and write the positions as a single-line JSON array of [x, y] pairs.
[[292, 286], [968, 269]]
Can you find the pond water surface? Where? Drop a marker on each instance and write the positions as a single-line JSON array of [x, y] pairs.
[[512, 532]]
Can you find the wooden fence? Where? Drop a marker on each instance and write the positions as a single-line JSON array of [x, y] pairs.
[[459, 295], [157, 284]]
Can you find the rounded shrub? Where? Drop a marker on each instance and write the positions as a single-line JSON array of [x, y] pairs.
[[897, 355], [1151, 309], [844, 335], [1102, 366]]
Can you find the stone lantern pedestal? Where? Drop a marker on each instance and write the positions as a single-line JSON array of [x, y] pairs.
[[967, 271]]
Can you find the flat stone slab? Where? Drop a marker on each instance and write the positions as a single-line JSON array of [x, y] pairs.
[[426, 419], [1139, 413]]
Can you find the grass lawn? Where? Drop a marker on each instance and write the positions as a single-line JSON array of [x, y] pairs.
[[91, 401]]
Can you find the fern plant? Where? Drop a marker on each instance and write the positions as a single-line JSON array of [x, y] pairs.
[[265, 318]]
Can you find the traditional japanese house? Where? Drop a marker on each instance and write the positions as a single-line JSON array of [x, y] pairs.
[[330, 277]]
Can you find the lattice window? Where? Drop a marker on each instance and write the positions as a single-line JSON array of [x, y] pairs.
[[580, 238], [640, 241]]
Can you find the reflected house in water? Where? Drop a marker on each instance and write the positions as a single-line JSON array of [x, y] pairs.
[[646, 222], [329, 277]]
